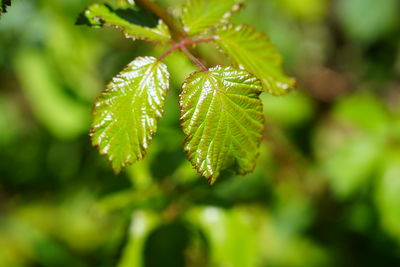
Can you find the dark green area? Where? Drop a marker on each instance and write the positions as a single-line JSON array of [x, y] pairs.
[[136, 15], [3, 5], [326, 190]]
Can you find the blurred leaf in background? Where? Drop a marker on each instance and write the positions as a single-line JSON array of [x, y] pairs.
[[368, 20], [325, 191]]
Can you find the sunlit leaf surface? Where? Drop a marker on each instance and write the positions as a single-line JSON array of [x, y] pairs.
[[134, 24], [126, 113], [252, 51], [222, 120], [198, 15]]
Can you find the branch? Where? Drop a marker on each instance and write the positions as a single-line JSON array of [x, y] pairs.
[[182, 46], [193, 58], [176, 32]]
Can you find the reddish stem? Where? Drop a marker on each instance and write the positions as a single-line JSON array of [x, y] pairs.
[[194, 59], [193, 42], [182, 46], [169, 51]]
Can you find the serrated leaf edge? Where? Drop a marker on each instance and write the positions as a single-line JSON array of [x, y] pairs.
[[212, 179], [161, 23], [92, 129], [239, 27], [226, 17]]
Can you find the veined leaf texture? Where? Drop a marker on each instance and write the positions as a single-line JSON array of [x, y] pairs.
[[199, 15], [222, 115], [222, 119], [251, 50], [126, 113]]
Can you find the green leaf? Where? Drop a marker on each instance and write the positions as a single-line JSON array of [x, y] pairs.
[[62, 115], [387, 197], [126, 113], [222, 119], [143, 223], [252, 50], [378, 19], [3, 5], [135, 24], [199, 15]]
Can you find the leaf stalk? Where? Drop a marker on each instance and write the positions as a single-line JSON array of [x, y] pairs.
[[182, 46], [193, 58]]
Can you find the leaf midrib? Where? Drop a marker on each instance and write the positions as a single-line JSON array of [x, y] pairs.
[[223, 98]]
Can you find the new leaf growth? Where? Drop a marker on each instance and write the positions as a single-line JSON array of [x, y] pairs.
[[222, 115]]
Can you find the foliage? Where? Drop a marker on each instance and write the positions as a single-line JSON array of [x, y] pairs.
[[135, 24], [324, 192], [200, 15], [123, 125], [253, 51], [126, 114], [382, 17], [222, 120]]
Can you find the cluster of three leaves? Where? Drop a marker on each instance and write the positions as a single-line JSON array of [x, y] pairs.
[[220, 110]]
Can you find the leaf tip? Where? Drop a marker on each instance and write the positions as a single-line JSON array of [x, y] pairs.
[[213, 179]]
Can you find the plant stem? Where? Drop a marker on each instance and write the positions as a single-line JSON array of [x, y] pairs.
[[169, 51], [193, 58], [176, 32], [193, 42], [185, 42]]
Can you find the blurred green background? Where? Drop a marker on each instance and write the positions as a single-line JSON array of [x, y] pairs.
[[326, 190]]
